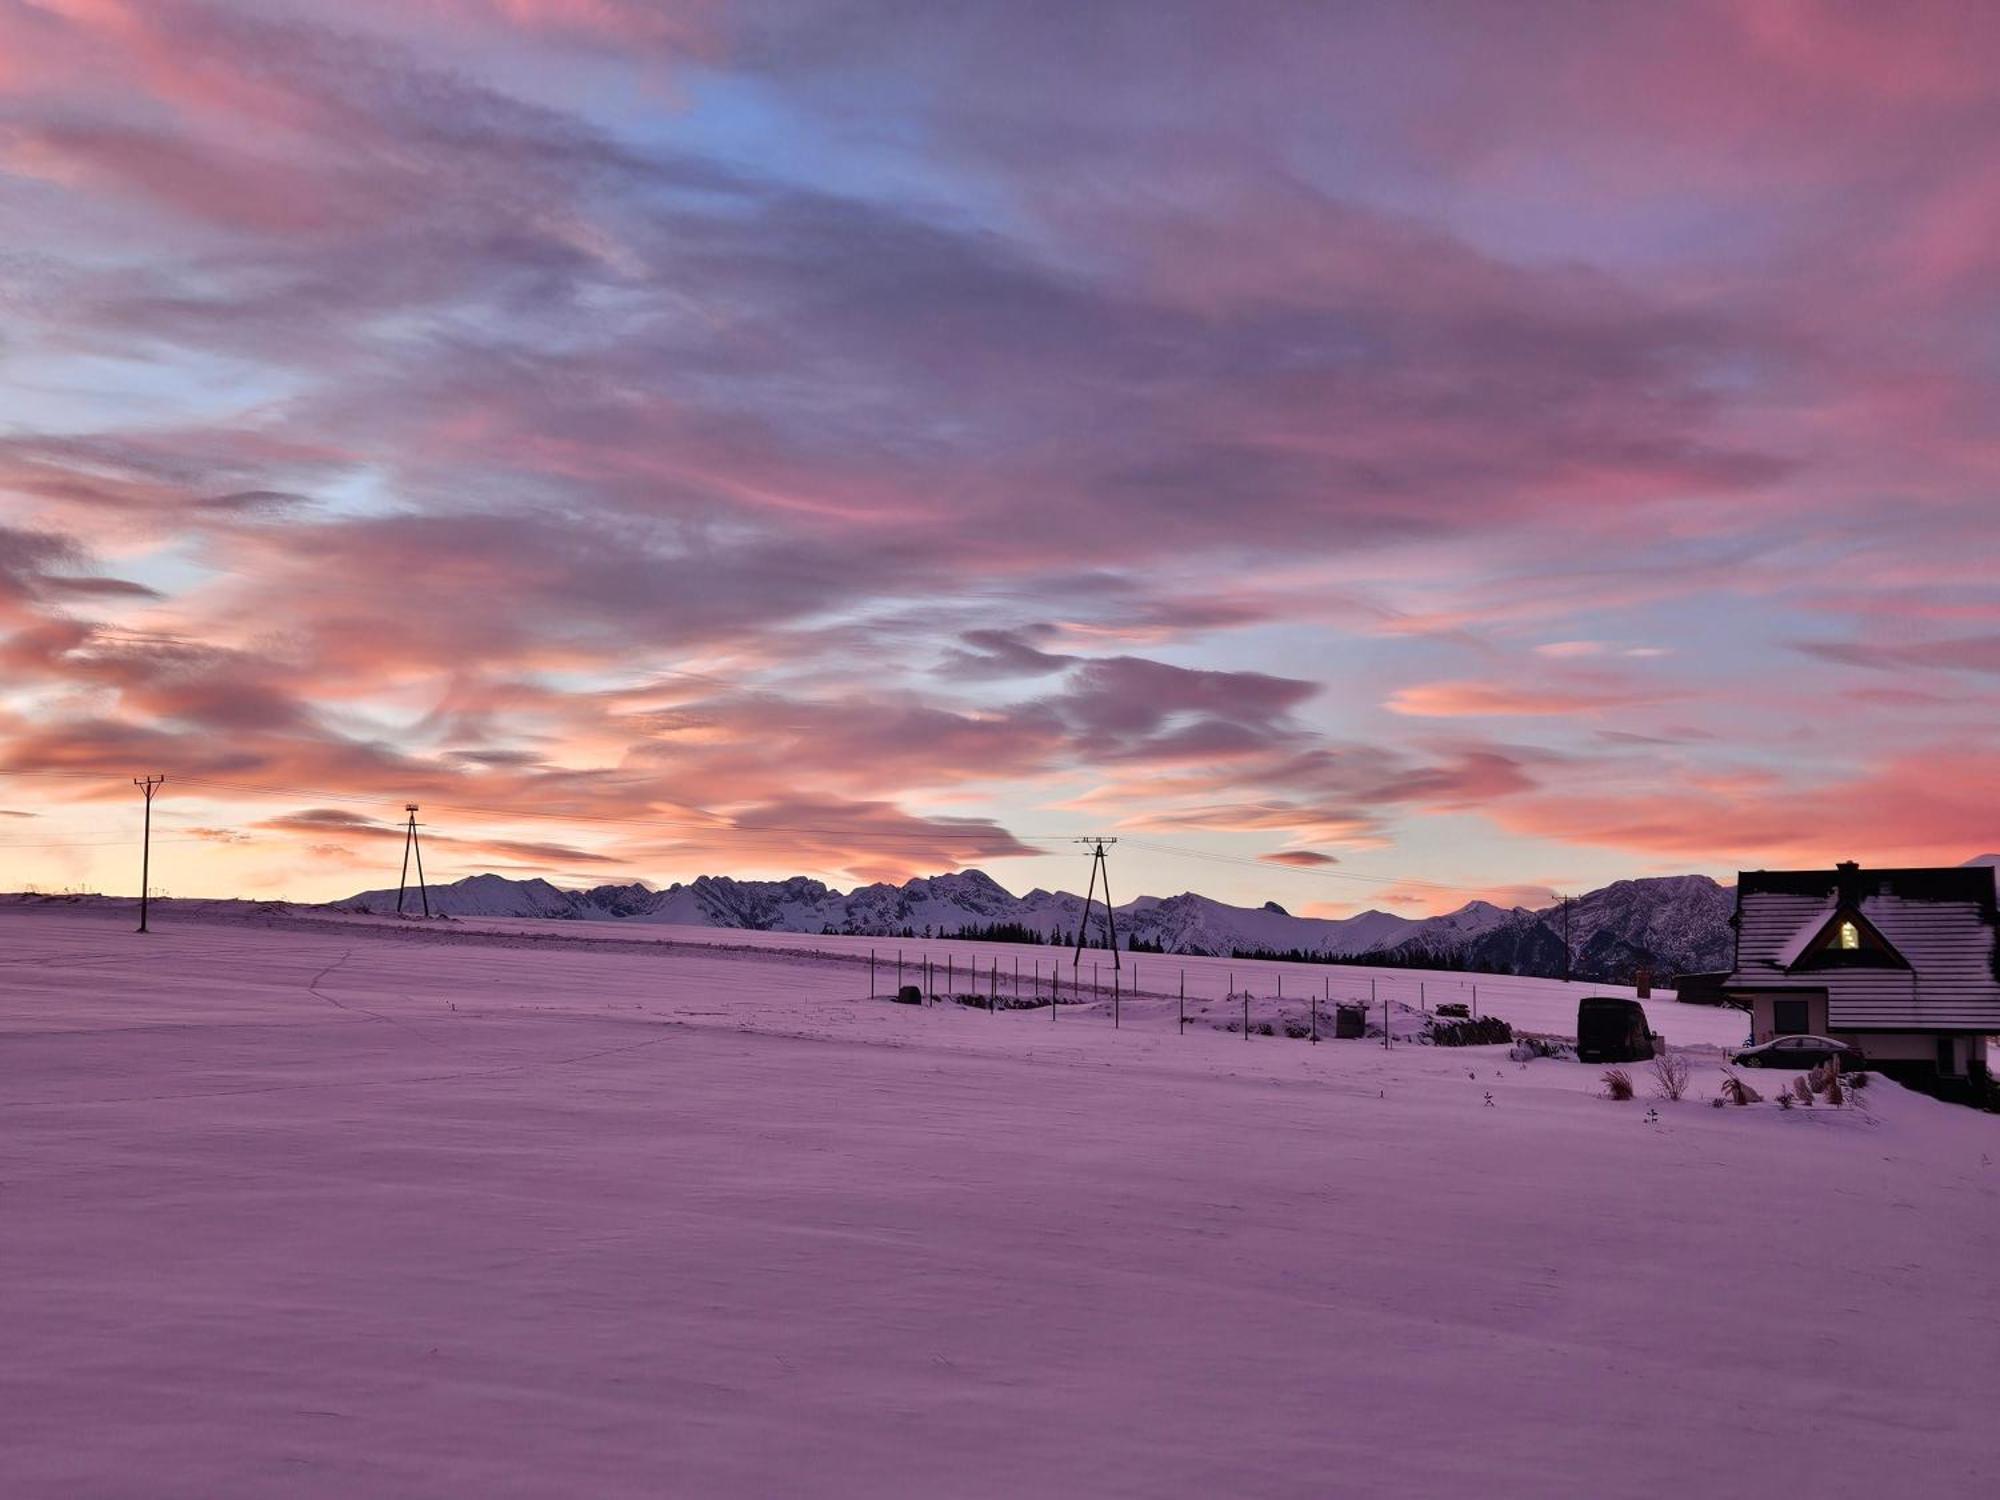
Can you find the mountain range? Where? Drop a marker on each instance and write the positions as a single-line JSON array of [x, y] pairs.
[[1671, 924]]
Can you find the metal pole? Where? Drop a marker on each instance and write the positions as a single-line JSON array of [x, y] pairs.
[[1114, 998], [1246, 1015], [1183, 1002], [1315, 1020], [871, 973]]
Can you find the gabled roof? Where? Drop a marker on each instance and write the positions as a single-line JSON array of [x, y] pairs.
[[1811, 928], [1941, 923], [1808, 948]]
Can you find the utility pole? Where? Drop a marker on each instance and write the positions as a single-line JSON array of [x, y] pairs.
[[1097, 863], [148, 785], [1566, 948], [411, 846]]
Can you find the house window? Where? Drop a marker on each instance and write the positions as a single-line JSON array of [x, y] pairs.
[[1850, 937], [1790, 1017]]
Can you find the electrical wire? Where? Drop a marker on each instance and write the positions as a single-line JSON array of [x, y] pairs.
[[725, 832]]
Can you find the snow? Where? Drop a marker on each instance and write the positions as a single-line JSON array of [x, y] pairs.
[[1150, 984], [308, 1208], [1819, 914]]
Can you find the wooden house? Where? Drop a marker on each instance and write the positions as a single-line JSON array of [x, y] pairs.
[[1900, 963]]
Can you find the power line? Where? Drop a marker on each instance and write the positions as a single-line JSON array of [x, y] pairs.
[[726, 832], [720, 823]]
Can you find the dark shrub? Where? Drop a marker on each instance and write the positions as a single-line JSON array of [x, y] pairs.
[[1485, 1032]]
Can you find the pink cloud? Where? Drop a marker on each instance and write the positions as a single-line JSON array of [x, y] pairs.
[[406, 417], [1910, 810], [1450, 700]]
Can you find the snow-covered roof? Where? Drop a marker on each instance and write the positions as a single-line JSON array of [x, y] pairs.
[[1811, 928]]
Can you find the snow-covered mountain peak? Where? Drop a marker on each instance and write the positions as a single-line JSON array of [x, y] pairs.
[[1669, 924]]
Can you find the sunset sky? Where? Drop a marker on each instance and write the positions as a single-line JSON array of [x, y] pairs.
[[1361, 455]]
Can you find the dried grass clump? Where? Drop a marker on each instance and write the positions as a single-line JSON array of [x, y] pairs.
[[1670, 1075], [1617, 1084], [1802, 1091], [1736, 1091]]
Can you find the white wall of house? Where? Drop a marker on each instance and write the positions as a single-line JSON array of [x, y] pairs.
[[1763, 1013], [1969, 1049]]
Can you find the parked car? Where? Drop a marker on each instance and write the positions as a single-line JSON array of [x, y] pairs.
[[1798, 1052], [1612, 1029]]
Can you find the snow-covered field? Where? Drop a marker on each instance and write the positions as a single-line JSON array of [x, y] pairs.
[[290, 1207], [1150, 986]]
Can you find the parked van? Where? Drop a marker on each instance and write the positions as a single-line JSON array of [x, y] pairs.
[[1611, 1029]]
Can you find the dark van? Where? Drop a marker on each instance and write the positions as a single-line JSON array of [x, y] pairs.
[[1611, 1029]]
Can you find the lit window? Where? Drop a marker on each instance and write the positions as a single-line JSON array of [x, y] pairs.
[[1850, 936]]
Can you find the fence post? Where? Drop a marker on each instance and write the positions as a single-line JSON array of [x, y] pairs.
[[1475, 999], [1315, 1019], [1114, 998], [871, 973], [1246, 1015], [1183, 1031]]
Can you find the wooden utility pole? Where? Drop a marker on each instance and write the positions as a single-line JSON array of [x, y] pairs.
[[1098, 862], [148, 785], [411, 846]]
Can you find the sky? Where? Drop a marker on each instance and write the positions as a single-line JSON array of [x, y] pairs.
[[1358, 455]]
